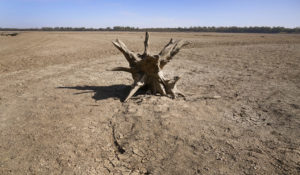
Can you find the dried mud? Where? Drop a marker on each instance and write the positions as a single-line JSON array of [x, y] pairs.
[[60, 109]]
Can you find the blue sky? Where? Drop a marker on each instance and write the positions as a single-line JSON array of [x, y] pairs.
[[148, 13]]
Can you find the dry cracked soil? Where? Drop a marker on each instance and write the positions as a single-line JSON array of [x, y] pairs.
[[61, 109]]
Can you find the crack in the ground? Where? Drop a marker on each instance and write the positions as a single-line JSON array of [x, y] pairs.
[[116, 143]]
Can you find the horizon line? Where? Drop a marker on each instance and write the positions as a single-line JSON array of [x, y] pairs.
[[111, 27]]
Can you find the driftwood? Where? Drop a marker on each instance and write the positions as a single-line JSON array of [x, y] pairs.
[[146, 69]]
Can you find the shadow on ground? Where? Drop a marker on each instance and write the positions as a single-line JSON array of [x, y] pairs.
[[102, 92]]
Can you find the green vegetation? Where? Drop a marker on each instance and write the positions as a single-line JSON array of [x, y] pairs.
[[232, 29]]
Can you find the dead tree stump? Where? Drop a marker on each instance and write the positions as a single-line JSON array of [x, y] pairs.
[[147, 69]]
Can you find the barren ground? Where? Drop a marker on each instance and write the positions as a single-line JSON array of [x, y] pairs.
[[60, 109]]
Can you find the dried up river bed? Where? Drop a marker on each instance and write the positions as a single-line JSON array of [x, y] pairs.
[[60, 109]]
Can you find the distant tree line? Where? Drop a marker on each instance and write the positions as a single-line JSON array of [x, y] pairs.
[[232, 29]]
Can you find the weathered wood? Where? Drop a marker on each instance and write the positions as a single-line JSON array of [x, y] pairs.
[[146, 43], [130, 56], [169, 51], [146, 69], [136, 87], [125, 69]]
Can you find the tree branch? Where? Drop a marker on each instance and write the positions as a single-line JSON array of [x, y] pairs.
[[170, 50], [124, 69], [136, 87], [171, 87], [131, 57], [146, 43]]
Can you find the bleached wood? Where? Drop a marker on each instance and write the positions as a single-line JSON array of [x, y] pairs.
[[146, 43], [146, 69], [124, 69], [170, 50], [130, 56], [136, 87]]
